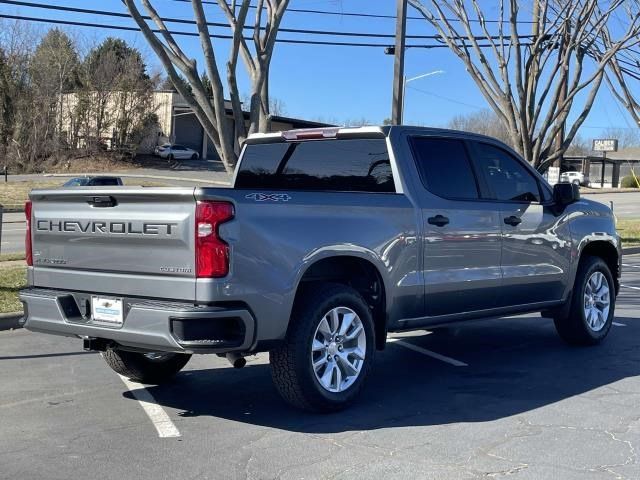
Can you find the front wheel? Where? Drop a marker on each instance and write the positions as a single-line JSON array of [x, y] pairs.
[[194, 156], [152, 367], [591, 311], [329, 350]]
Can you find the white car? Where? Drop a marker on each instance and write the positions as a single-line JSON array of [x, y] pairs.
[[177, 152], [577, 178]]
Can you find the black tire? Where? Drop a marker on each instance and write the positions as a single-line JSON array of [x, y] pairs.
[[572, 325], [194, 156], [170, 157], [291, 363], [140, 368], [576, 182]]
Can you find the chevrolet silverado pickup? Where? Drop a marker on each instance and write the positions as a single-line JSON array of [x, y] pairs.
[[326, 240]]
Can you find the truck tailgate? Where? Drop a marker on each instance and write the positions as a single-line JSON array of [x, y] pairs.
[[132, 241]]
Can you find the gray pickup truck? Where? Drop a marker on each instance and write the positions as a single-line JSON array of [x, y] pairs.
[[328, 239]]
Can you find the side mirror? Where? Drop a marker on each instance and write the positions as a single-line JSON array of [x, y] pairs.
[[566, 193]]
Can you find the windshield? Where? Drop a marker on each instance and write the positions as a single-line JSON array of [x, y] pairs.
[[76, 182]]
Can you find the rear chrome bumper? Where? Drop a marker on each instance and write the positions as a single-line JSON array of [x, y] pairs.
[[149, 324]]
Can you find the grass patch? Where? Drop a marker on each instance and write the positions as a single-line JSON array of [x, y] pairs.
[[629, 230], [14, 194], [8, 257], [11, 281]]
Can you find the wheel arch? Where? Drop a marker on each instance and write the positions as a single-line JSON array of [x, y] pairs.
[[359, 270], [607, 251]]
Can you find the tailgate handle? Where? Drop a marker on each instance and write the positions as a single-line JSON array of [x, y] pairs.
[[104, 201]]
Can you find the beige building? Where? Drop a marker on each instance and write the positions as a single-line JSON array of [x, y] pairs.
[[177, 123]]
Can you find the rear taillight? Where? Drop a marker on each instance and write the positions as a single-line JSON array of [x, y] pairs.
[[212, 253], [27, 236]]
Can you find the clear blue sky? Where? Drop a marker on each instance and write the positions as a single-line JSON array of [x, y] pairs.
[[339, 83]]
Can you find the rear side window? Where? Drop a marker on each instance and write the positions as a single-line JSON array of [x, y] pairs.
[[508, 179], [444, 167], [101, 182], [349, 165]]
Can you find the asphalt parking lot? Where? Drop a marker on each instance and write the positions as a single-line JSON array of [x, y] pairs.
[[494, 399]]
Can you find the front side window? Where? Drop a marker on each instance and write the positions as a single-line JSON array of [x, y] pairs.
[[507, 178], [444, 167], [344, 165]]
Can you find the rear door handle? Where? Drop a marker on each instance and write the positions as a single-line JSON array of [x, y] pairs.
[[438, 221], [513, 220]]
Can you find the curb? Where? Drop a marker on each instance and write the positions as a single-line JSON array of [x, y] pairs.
[[10, 321], [611, 190], [630, 250], [129, 175]]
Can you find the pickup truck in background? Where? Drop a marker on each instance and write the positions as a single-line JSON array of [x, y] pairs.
[[327, 240]]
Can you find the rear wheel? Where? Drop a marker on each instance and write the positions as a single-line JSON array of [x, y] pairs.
[[591, 311], [329, 350], [576, 182], [194, 156], [152, 367]]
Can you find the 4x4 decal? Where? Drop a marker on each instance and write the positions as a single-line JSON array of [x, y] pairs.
[[269, 197]]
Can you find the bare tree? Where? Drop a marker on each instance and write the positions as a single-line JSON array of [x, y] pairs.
[[484, 122], [543, 89], [210, 109], [627, 137], [623, 76]]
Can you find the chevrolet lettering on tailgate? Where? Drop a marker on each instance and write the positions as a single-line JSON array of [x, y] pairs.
[[106, 227]]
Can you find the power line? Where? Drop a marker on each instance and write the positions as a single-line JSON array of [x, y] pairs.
[[448, 99], [106, 13], [355, 14], [194, 34]]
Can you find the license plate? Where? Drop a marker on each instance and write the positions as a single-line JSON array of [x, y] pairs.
[[107, 311]]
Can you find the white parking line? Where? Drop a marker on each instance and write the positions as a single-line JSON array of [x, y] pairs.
[[155, 412], [429, 353], [618, 324], [632, 266], [629, 286]]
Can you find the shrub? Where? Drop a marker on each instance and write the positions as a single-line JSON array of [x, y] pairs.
[[629, 182]]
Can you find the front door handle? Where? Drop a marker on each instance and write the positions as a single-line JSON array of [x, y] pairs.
[[438, 221], [513, 220]]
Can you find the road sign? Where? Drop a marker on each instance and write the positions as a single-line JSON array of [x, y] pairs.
[[553, 175], [605, 145]]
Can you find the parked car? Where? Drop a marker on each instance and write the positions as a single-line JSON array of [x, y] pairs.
[[160, 149], [577, 178], [328, 239], [177, 152], [100, 181]]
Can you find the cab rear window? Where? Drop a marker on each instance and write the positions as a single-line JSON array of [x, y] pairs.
[[344, 165]]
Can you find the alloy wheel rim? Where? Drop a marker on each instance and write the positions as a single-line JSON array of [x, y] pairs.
[[597, 301], [338, 349]]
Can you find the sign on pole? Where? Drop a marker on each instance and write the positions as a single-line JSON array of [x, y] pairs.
[[553, 175], [605, 145]]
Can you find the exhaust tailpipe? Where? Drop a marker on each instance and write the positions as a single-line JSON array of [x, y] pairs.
[[236, 359]]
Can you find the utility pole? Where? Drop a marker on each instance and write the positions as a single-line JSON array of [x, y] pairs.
[[535, 32], [562, 97], [398, 68]]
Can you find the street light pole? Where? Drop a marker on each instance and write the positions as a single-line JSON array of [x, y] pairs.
[[398, 66], [404, 87]]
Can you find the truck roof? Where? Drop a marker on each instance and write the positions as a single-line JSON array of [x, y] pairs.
[[342, 132]]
